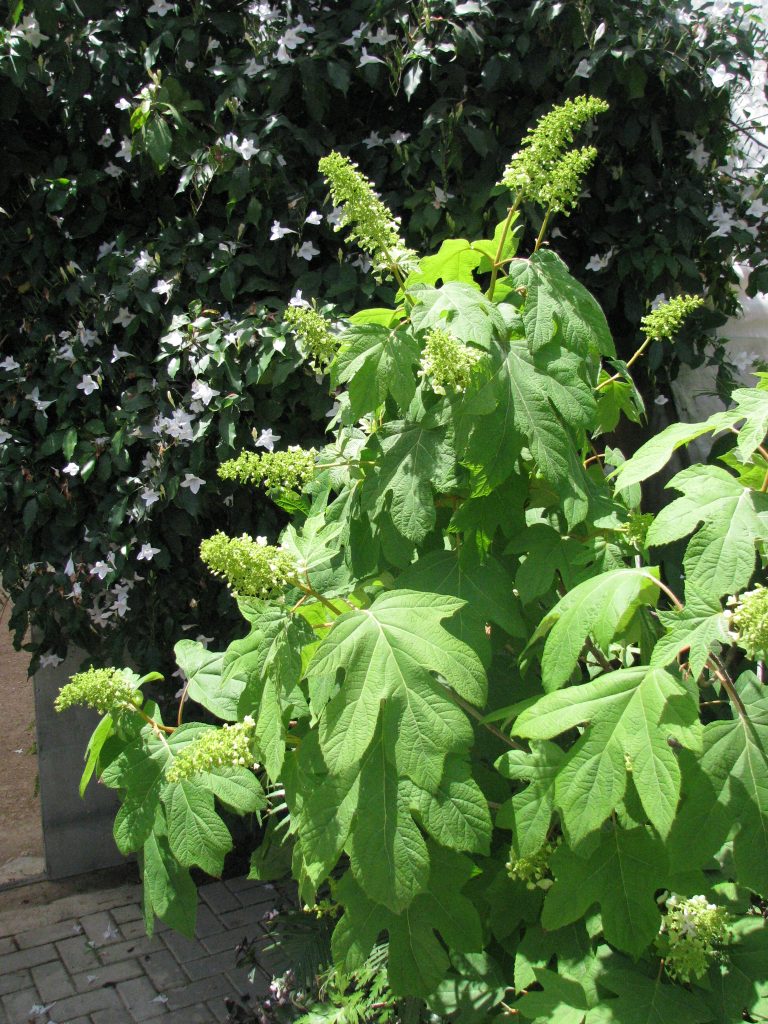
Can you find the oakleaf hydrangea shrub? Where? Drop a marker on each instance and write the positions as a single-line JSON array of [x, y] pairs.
[[161, 206], [488, 735]]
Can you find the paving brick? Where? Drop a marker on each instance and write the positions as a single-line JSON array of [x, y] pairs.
[[77, 955], [257, 892], [101, 929], [13, 981], [200, 991], [18, 1004], [218, 897], [206, 923], [163, 970], [133, 929], [50, 933], [7, 946], [190, 1015], [109, 974], [245, 921], [52, 981], [218, 1010], [140, 997], [29, 957], [130, 912], [183, 948], [207, 966], [84, 1003], [224, 940], [110, 1017], [128, 950]]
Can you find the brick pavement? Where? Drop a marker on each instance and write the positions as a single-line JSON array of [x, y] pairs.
[[84, 957]]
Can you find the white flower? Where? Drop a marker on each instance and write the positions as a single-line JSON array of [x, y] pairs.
[[724, 220], [362, 262], [163, 287], [143, 261], [46, 661], [600, 262], [71, 468], [660, 400], [124, 153], [252, 68], [660, 298], [399, 138], [583, 69], [202, 392], [147, 553], [39, 404], [112, 170], [69, 568], [30, 29], [87, 337], [124, 318], [247, 149], [278, 231], [105, 249], [100, 569], [106, 139], [381, 37], [266, 439], [368, 58], [307, 251], [123, 104], [87, 384], [599, 32], [4, 436], [441, 197], [298, 300], [374, 139], [720, 76], [334, 217], [118, 354], [194, 483], [262, 542], [149, 496], [9, 364], [700, 156], [314, 218], [160, 8]]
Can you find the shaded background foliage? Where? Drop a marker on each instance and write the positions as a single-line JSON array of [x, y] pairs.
[[151, 152]]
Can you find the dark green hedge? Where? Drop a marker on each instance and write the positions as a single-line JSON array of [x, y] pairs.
[[226, 108]]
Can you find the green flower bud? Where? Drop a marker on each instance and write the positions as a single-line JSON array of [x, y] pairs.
[[695, 931], [373, 226], [749, 622], [105, 689], [542, 170], [532, 870], [277, 471], [446, 363], [250, 567], [228, 747], [314, 333], [665, 321]]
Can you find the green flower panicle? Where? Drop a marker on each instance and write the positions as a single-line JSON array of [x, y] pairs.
[[105, 689], [695, 931], [372, 224], [252, 568], [446, 363], [543, 170], [533, 870], [227, 747], [314, 332], [665, 321], [748, 617], [277, 471]]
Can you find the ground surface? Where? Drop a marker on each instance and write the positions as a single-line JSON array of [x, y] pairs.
[[21, 840], [76, 952]]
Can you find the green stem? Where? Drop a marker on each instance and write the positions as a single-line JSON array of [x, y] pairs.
[[150, 721], [473, 712], [310, 591], [544, 226], [632, 360], [497, 261]]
